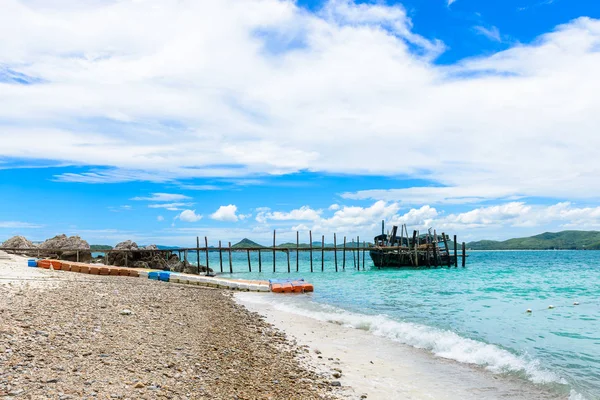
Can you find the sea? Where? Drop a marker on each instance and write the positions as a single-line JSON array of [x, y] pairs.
[[476, 315]]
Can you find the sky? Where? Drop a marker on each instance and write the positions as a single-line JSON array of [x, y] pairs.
[[163, 120]]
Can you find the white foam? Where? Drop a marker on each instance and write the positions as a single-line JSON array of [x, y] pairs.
[[442, 343]]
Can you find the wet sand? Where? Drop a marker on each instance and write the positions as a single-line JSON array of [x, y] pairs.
[[379, 368]]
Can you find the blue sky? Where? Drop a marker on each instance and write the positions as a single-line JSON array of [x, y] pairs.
[[234, 118]]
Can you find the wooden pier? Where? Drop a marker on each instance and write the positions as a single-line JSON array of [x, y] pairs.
[[420, 252]]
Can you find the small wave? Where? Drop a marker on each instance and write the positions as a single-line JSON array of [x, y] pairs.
[[442, 343]]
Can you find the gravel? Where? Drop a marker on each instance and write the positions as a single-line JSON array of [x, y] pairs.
[[105, 337]]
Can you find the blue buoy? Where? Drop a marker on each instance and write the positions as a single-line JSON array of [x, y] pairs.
[[164, 276], [32, 263], [153, 275]]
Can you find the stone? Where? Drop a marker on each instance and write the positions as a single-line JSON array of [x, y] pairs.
[[335, 383], [71, 245], [18, 242]]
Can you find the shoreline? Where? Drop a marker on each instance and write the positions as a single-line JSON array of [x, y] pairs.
[[379, 368]]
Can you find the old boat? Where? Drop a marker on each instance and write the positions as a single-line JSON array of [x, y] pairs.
[[418, 251]]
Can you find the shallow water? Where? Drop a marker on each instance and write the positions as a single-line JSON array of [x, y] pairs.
[[472, 315]]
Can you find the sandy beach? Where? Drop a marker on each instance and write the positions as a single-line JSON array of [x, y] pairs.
[[377, 368], [72, 336]]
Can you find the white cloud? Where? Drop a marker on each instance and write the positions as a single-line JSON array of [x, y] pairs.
[[160, 218], [226, 213], [491, 33], [304, 213], [160, 197], [496, 118], [450, 2], [436, 195], [18, 225], [189, 216], [171, 206], [334, 207]]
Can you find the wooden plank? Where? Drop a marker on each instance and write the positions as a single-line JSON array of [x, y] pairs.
[[335, 252], [311, 251], [259, 261], [249, 263], [230, 261], [464, 254], [288, 259]]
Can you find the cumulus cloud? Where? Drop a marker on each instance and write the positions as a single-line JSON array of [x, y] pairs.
[[334, 207], [304, 213], [160, 218], [160, 197], [189, 216], [226, 213], [126, 90]]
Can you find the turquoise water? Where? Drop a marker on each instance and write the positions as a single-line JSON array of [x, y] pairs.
[[474, 315]]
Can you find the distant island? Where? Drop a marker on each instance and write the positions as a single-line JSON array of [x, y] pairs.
[[565, 240]]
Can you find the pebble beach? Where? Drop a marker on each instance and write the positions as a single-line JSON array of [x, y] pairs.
[[71, 336]]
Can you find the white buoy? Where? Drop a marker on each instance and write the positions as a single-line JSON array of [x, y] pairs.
[[576, 303], [550, 306], [529, 310]]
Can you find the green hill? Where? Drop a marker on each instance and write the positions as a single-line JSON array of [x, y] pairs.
[[245, 243], [565, 240], [100, 247]]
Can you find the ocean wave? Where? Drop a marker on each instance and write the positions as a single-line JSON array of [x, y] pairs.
[[442, 343]]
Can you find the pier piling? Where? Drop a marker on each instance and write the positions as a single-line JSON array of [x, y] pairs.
[[220, 257], [335, 252], [230, 261], [311, 256]]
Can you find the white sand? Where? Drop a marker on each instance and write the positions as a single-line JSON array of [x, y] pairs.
[[383, 369], [15, 273]]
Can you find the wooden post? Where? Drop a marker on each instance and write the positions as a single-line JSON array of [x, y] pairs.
[[358, 252], [230, 262], [198, 253], [364, 248], [297, 250], [427, 259], [249, 264], [353, 255], [274, 250], [335, 252], [287, 252], [220, 257], [344, 255], [322, 253], [311, 260], [259, 261], [455, 253], [126, 257], [207, 261], [447, 249], [416, 260], [184, 258], [435, 259], [106, 253], [464, 254], [77, 255]]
